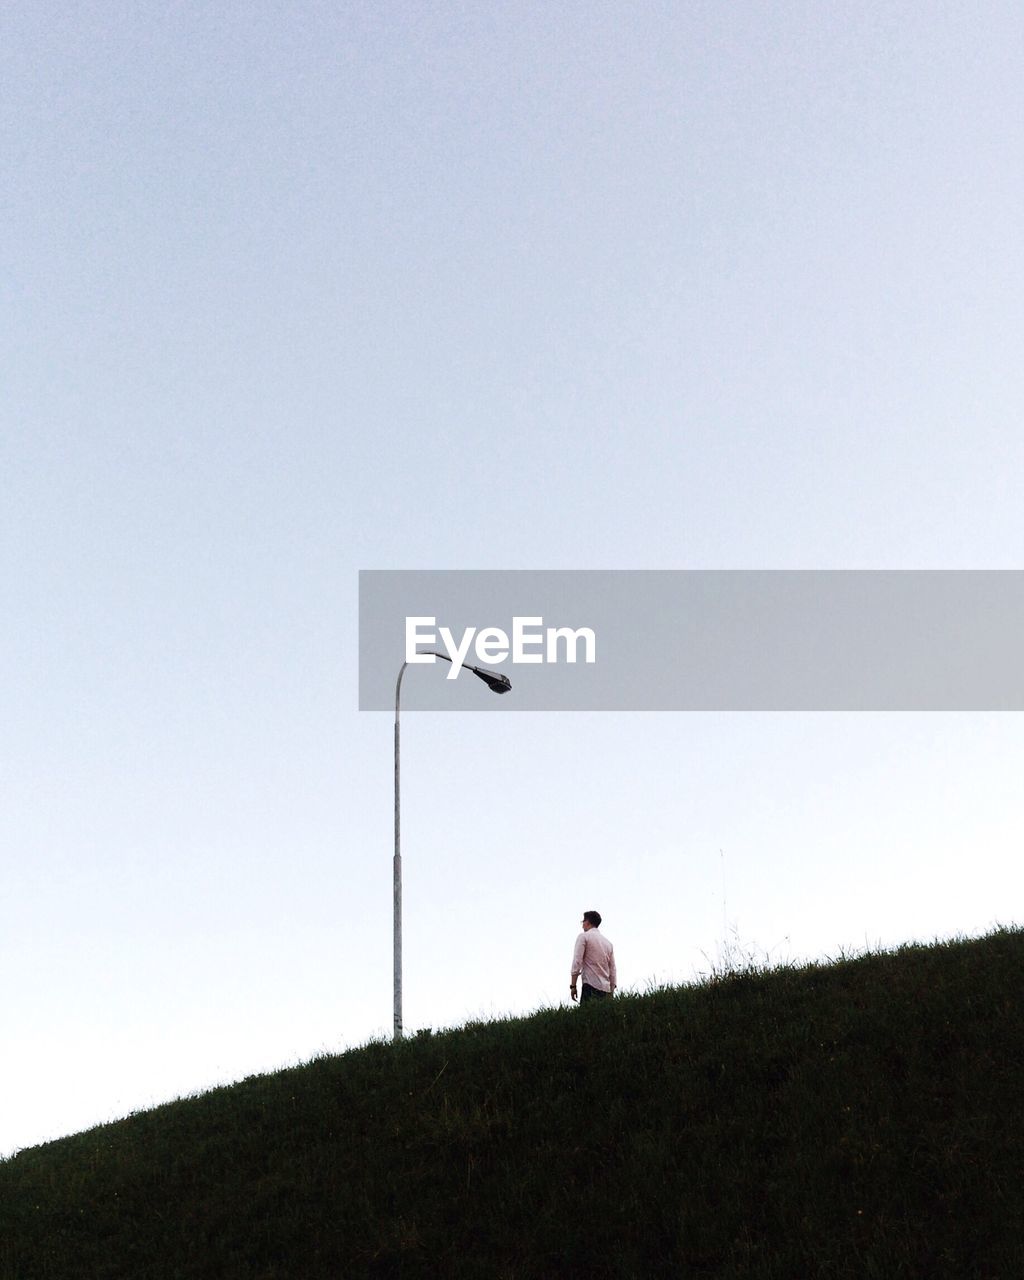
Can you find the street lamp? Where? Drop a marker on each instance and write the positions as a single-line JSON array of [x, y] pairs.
[[498, 683]]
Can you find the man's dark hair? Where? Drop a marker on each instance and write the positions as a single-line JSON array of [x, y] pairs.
[[593, 917]]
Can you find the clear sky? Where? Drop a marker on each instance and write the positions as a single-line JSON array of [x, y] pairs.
[[294, 290]]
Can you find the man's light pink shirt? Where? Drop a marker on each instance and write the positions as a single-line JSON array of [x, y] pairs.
[[593, 958]]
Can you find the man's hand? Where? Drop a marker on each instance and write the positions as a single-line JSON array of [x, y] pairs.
[[572, 991]]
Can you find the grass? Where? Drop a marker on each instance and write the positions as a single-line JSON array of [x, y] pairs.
[[857, 1119]]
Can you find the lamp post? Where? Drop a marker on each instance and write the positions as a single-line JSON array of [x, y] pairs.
[[498, 683]]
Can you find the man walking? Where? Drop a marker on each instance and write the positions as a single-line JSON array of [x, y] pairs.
[[593, 957]]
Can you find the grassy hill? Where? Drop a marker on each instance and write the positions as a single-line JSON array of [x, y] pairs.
[[859, 1119]]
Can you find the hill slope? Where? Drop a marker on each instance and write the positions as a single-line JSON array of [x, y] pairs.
[[861, 1119]]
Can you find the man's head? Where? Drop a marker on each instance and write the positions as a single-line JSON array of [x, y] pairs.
[[591, 920]]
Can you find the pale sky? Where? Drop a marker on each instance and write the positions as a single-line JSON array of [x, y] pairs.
[[294, 290]]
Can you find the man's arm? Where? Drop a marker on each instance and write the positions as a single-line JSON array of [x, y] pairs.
[[612, 976], [577, 963]]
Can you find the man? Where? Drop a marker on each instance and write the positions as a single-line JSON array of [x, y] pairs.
[[594, 958]]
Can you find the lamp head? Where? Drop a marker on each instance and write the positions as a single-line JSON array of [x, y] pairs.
[[493, 679]]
